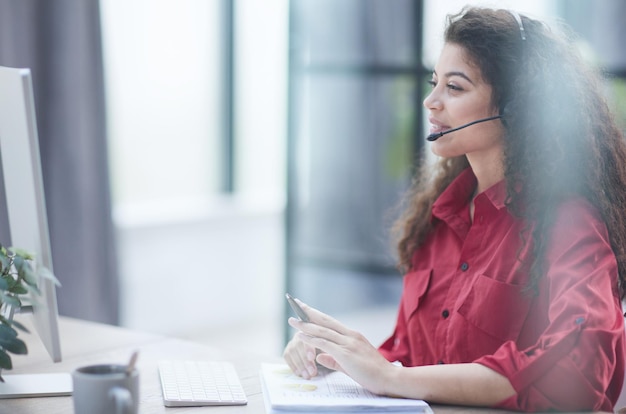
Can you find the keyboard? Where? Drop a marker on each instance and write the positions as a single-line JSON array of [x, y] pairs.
[[200, 383]]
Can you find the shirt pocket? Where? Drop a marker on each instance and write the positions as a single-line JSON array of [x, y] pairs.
[[496, 308], [415, 286]]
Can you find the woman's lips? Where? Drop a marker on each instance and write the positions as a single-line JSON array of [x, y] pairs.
[[436, 126]]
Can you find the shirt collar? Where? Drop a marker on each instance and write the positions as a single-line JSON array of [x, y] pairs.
[[459, 192]]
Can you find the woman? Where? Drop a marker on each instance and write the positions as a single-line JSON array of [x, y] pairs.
[[514, 247]]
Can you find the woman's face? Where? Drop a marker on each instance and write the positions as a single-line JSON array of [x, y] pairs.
[[459, 96]]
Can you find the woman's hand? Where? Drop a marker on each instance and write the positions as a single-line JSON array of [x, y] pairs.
[[348, 351], [300, 357], [342, 349]]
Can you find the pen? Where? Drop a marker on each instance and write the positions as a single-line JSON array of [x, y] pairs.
[[296, 308]]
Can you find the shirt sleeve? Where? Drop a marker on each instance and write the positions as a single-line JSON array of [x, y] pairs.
[[395, 348], [578, 361]]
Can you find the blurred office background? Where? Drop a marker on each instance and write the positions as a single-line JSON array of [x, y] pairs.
[[202, 157]]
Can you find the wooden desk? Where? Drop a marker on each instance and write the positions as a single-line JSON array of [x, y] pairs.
[[86, 343]]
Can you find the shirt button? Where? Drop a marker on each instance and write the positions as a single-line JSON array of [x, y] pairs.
[[464, 266], [445, 313]]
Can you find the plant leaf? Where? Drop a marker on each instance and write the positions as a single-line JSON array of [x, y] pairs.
[[19, 326], [22, 253], [14, 345], [4, 259], [4, 285], [18, 262], [19, 290], [45, 273], [29, 275], [9, 281], [7, 332], [25, 271], [35, 293], [5, 360], [11, 300]]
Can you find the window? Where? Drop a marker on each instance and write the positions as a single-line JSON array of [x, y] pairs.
[[354, 109], [163, 98], [184, 124], [191, 86], [601, 29]]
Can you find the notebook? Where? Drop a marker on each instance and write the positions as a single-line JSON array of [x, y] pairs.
[[329, 391]]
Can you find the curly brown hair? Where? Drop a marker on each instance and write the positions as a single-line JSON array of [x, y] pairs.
[[560, 137]]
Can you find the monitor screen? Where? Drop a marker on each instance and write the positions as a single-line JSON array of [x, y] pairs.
[[24, 199]]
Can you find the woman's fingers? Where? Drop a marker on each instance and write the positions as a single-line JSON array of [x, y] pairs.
[[321, 319], [300, 357], [329, 362], [325, 339], [342, 349], [353, 355], [321, 336]]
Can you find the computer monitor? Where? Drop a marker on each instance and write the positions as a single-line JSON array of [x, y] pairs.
[[27, 222]]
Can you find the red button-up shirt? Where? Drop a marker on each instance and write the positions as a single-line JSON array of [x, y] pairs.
[[465, 300]]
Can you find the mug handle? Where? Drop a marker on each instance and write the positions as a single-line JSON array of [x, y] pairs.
[[123, 400]]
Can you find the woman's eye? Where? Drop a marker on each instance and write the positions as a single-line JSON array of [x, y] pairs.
[[451, 86]]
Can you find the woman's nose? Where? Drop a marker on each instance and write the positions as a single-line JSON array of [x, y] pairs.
[[432, 101]]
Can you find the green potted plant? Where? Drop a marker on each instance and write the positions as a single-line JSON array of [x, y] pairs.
[[18, 287]]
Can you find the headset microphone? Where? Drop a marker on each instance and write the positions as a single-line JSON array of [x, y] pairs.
[[437, 135]]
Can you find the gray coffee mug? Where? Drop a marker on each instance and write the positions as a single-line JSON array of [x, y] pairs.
[[105, 389]]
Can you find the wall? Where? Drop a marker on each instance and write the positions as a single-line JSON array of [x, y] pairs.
[[222, 266]]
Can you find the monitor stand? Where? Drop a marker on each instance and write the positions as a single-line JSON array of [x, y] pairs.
[[36, 385]]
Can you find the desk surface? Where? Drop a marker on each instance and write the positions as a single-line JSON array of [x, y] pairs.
[[85, 343]]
